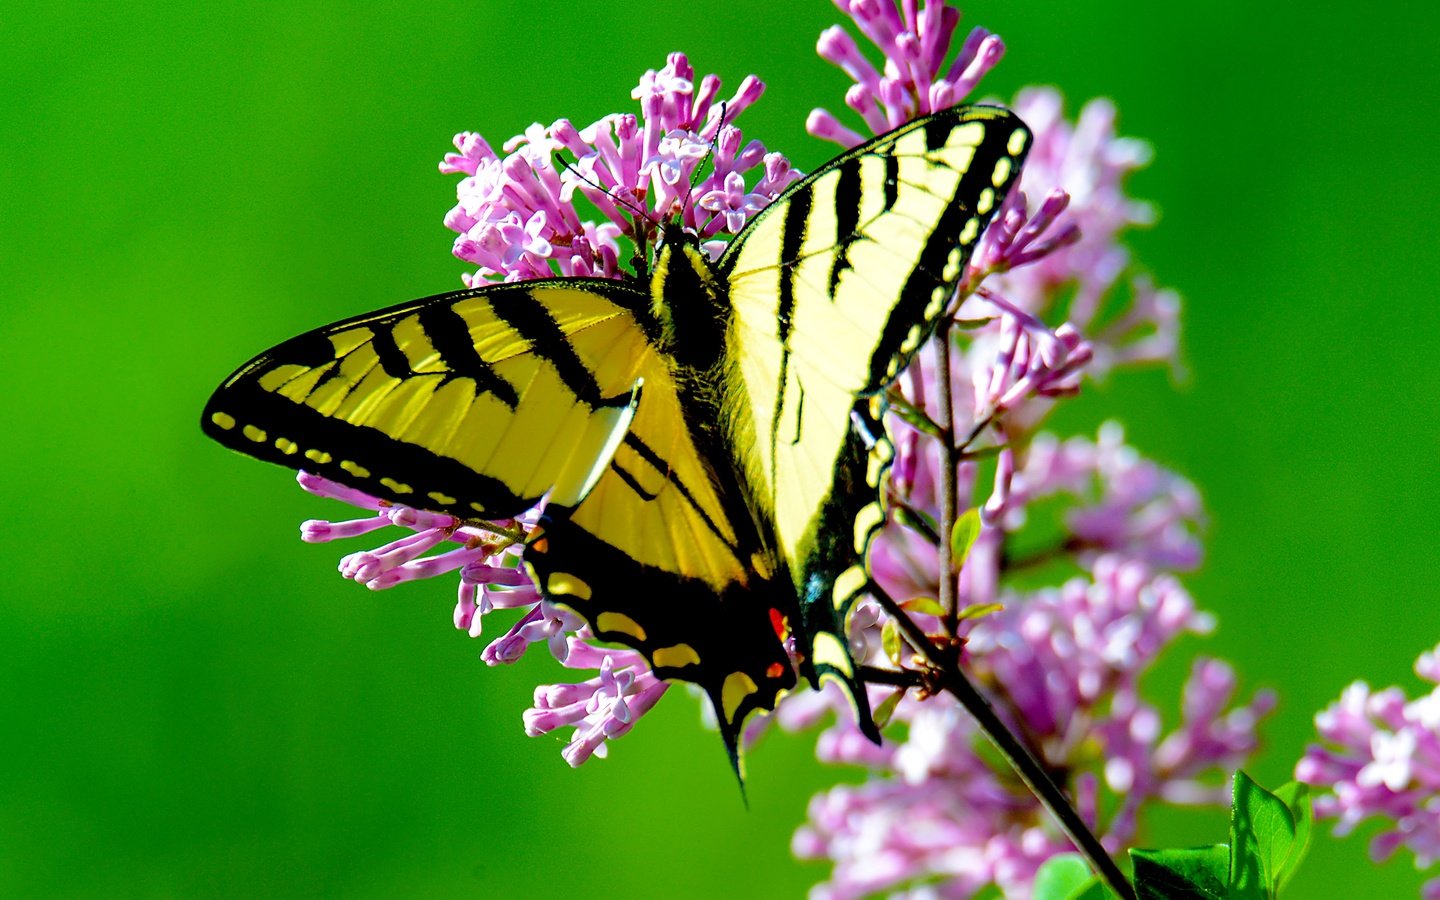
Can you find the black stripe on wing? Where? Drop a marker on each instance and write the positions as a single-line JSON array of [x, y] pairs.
[[449, 334], [532, 321], [792, 240], [847, 218], [892, 181], [928, 275]]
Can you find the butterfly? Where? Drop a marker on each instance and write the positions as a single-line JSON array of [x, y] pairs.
[[708, 445]]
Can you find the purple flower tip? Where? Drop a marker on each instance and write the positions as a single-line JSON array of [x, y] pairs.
[[604, 707], [914, 44]]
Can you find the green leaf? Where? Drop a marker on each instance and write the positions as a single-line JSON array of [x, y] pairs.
[[962, 537], [882, 713], [917, 521], [977, 610], [1067, 877], [1061, 877], [916, 418], [928, 606], [972, 324], [1192, 873], [1296, 798], [890, 641], [1262, 833]]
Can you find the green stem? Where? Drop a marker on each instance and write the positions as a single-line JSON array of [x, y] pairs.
[[949, 510], [1030, 769], [1068, 547], [895, 677]]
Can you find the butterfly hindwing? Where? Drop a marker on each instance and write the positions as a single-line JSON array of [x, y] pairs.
[[833, 287], [663, 555]]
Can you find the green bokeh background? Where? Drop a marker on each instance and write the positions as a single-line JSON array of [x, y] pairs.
[[194, 704]]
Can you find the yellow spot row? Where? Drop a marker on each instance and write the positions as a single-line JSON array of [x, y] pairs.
[[320, 457]]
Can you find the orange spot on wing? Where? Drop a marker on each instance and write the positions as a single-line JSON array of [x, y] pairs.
[[778, 622]]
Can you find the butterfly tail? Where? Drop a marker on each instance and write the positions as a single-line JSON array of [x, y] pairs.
[[828, 658], [836, 580]]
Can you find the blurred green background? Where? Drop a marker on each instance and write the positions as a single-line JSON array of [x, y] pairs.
[[195, 704]]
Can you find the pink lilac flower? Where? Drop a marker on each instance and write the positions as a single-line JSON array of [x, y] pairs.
[[516, 215], [489, 578], [1124, 503], [1379, 756], [1062, 666], [604, 707], [1058, 235], [914, 80], [1026, 360]]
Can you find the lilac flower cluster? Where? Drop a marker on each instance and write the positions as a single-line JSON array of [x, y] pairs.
[[1061, 664], [1068, 241], [516, 215], [915, 44], [1380, 756]]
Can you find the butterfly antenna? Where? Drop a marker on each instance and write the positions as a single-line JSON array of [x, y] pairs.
[[710, 159], [715, 138], [618, 197], [636, 210]]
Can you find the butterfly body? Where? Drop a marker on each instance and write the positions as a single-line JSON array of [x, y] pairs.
[[706, 448]]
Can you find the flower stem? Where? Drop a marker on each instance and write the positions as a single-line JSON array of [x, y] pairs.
[[948, 500], [896, 677], [946, 664], [1062, 550], [1030, 769]]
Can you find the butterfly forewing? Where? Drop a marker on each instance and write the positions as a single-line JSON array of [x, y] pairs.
[[451, 403], [833, 287]]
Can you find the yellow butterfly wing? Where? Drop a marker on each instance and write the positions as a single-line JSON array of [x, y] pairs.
[[833, 287], [474, 404], [480, 403]]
